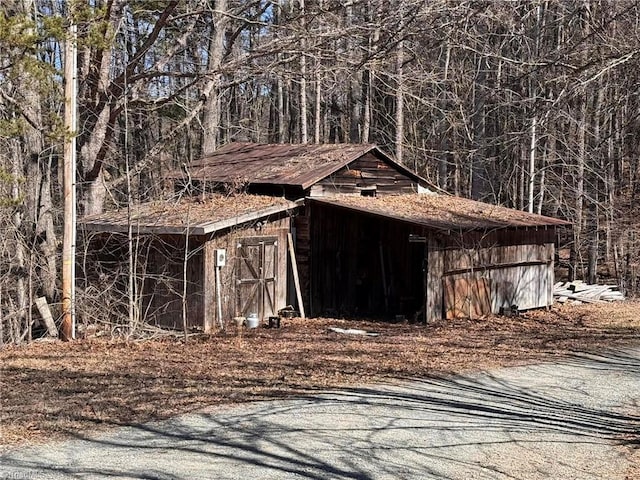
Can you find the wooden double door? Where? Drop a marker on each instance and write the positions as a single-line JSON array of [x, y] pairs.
[[257, 276]]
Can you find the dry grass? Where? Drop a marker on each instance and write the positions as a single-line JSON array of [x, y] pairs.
[[50, 390]]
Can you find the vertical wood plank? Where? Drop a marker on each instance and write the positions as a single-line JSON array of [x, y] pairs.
[[482, 295], [281, 278], [47, 318], [550, 272], [449, 299], [209, 287], [434, 284], [296, 280]]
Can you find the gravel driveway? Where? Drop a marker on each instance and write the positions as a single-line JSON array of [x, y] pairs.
[[561, 420]]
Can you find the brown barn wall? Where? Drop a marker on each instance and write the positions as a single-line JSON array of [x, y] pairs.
[[159, 273], [303, 254], [345, 274], [163, 282]]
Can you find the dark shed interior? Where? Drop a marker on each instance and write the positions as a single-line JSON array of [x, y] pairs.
[[364, 265]]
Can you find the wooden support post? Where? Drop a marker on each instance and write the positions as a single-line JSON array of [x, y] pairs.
[[434, 283], [551, 253], [296, 280], [208, 286]]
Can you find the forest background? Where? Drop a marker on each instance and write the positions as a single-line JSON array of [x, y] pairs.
[[529, 104]]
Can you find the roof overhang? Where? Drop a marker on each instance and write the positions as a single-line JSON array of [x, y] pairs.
[[199, 228], [450, 225]]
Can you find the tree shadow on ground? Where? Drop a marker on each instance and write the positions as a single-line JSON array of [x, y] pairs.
[[440, 427]]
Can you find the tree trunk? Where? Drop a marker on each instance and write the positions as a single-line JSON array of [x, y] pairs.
[[610, 188], [282, 130], [318, 105], [355, 83], [443, 102], [212, 110], [368, 79], [579, 195], [532, 161], [399, 140], [20, 251], [592, 271], [366, 105], [304, 135], [478, 168]]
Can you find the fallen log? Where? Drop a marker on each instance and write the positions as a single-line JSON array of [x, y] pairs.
[[47, 318]]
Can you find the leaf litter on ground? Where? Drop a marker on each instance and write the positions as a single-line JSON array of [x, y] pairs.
[[55, 390]]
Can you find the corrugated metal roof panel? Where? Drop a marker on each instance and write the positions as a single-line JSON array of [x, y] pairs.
[[441, 212]]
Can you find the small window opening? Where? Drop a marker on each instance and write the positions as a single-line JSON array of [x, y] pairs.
[[369, 191]]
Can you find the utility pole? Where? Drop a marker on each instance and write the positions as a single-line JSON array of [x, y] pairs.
[[68, 327]]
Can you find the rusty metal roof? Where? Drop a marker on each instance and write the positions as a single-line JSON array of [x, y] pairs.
[[441, 212], [196, 215], [300, 165]]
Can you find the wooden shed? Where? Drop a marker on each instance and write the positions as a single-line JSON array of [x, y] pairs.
[[191, 253], [371, 240], [426, 256], [371, 237]]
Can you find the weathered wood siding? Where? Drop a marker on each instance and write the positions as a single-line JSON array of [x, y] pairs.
[[365, 174], [519, 275], [434, 273], [303, 255], [159, 276], [160, 261], [473, 240], [162, 291], [364, 265], [229, 273]]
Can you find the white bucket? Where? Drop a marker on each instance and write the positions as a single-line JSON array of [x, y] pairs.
[[252, 320]]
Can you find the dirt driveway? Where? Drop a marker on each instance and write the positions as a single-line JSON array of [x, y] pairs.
[[575, 418]]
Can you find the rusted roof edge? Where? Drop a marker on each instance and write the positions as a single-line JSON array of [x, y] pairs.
[[375, 213]]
